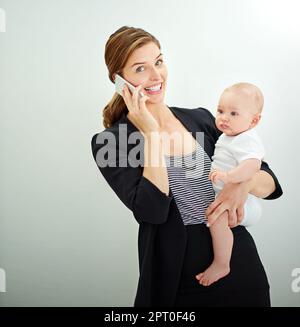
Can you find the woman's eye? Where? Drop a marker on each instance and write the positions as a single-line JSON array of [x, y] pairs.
[[159, 62], [140, 69]]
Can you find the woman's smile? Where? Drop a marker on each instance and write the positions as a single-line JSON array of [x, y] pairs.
[[155, 89]]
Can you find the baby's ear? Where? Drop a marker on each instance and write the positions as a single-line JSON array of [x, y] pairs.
[[255, 120]]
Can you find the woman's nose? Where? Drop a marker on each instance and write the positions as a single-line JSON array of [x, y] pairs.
[[155, 75]]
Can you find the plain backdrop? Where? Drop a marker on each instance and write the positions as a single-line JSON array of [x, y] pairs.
[[65, 237]]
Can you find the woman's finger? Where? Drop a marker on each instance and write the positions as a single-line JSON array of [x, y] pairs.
[[212, 207], [127, 98], [135, 97], [142, 102], [240, 214], [216, 214], [232, 218]]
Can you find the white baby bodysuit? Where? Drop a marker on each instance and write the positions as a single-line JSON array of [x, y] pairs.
[[230, 151]]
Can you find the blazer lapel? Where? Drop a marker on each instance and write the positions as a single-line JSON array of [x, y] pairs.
[[185, 119]]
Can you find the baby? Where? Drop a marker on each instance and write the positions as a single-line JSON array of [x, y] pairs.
[[237, 157]]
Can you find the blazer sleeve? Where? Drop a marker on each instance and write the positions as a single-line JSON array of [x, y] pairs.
[[278, 190], [147, 202], [264, 166]]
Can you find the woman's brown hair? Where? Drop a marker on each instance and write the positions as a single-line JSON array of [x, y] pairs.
[[118, 49]]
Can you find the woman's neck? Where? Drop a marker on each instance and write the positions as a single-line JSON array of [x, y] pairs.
[[160, 112]]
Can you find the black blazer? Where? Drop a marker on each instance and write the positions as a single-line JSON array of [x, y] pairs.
[[162, 237]]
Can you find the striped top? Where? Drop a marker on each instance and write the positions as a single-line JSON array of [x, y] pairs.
[[189, 183]]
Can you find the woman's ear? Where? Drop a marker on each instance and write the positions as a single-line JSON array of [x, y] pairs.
[[255, 120]]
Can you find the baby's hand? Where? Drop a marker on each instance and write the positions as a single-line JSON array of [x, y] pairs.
[[216, 175]]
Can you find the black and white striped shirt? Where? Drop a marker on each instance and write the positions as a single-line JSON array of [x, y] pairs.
[[189, 183]]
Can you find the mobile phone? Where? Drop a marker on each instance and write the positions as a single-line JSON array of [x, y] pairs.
[[119, 84]]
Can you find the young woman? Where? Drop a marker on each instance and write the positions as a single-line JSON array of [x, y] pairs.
[[171, 208]]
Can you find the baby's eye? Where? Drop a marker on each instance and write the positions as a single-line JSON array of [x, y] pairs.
[[220, 111], [140, 69], [159, 62], [234, 113]]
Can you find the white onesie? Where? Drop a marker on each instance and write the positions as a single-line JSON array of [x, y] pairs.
[[230, 151]]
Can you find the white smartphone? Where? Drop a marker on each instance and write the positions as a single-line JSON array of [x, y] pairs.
[[119, 83]]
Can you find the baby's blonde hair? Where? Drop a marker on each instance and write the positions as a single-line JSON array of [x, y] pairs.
[[249, 90]]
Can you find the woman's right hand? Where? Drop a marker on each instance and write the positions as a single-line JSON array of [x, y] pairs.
[[139, 114], [232, 199]]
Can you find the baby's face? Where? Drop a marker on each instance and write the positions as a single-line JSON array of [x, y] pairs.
[[236, 114]]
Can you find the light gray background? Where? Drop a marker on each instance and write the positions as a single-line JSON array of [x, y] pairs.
[[65, 238]]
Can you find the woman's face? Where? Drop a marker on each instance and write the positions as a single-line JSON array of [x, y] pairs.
[[146, 67]]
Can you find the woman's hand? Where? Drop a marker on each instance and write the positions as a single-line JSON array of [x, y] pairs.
[[138, 114], [231, 198]]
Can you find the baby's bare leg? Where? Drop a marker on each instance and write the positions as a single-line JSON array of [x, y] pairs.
[[222, 239]]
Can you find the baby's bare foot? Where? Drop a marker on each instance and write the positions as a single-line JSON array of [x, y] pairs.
[[213, 273]]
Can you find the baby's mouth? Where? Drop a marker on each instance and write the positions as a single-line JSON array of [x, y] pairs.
[[224, 126]]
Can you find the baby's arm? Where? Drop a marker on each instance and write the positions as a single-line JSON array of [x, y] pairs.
[[243, 172]]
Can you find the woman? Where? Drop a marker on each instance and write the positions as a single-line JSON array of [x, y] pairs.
[[174, 243]]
